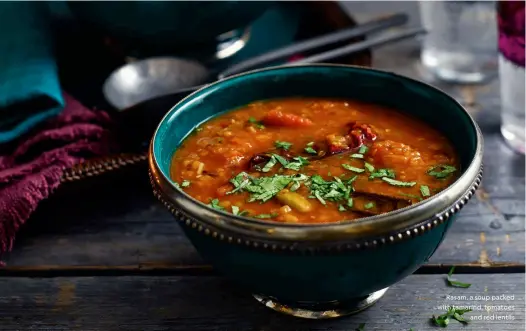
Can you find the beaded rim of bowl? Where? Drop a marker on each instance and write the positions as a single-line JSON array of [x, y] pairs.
[[234, 238], [366, 232]]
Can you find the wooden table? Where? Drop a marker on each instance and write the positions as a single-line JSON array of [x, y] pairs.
[[116, 260]]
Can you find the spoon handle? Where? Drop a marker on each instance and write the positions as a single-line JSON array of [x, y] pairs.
[[316, 42], [361, 46]]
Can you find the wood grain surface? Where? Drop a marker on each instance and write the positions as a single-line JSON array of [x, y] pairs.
[[212, 303]]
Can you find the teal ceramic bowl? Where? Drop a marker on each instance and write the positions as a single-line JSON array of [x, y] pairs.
[[324, 270]]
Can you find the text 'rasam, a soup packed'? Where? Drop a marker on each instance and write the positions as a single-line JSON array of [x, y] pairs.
[[313, 161]]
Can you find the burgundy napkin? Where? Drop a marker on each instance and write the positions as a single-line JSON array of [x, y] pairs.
[[32, 169]]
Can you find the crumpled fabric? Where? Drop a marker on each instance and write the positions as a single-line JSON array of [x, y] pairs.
[[32, 169]]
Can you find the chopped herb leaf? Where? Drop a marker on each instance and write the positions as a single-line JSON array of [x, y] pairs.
[[257, 123], [235, 210], [239, 182], [424, 189], [363, 149], [349, 203], [332, 190], [369, 167], [361, 327], [412, 196], [185, 183], [454, 283], [271, 163], [296, 165], [177, 185], [368, 205], [351, 168], [452, 312], [264, 188], [395, 182], [215, 204], [441, 171], [379, 173], [341, 208], [357, 156], [266, 215], [318, 196], [310, 144], [282, 144], [310, 150], [281, 159]]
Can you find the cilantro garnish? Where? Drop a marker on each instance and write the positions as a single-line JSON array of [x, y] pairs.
[[441, 171], [454, 283], [424, 189], [349, 203], [351, 168], [334, 190], [310, 150], [369, 167], [264, 188], [379, 173], [341, 208], [185, 183], [271, 163], [357, 156], [363, 149], [236, 211], [299, 162], [395, 182], [452, 312], [257, 123], [412, 196], [215, 204], [368, 205], [282, 144]]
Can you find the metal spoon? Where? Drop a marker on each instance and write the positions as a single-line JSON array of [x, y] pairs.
[[146, 79]]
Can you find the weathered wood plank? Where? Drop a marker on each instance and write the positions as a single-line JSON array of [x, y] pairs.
[[212, 303]]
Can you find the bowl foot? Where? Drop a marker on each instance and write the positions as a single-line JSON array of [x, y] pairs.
[[321, 310]]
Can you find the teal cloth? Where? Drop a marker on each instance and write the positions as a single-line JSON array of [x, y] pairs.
[[29, 85]]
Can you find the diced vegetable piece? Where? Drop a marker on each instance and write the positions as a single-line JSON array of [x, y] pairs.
[[294, 200]]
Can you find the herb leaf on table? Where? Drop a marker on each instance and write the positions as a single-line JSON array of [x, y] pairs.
[[453, 282], [452, 312]]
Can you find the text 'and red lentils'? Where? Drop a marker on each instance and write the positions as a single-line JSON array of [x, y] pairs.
[[313, 161]]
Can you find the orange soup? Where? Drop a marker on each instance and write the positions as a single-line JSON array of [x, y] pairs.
[[313, 161]]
